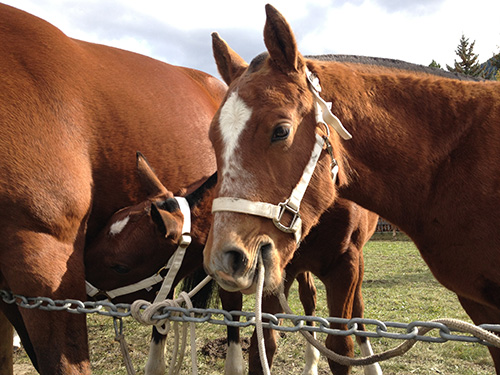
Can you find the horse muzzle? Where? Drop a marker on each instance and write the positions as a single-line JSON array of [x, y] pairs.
[[235, 268]]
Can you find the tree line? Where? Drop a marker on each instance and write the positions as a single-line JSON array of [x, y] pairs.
[[468, 62]]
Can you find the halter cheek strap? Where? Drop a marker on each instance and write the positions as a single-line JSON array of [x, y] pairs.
[[292, 204], [173, 265]]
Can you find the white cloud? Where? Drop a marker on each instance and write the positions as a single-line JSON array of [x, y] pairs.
[[179, 31], [416, 36]]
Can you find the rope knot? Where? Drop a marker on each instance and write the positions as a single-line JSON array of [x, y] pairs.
[[144, 312]]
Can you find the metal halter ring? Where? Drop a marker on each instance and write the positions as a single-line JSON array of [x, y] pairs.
[[284, 206]]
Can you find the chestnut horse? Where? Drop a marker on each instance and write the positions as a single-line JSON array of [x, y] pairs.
[[423, 154], [133, 246], [72, 115]]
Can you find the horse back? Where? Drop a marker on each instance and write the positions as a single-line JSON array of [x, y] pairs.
[[74, 114], [39, 110]]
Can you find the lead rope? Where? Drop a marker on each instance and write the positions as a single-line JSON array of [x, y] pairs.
[[178, 353], [120, 337], [192, 333], [258, 316], [163, 326], [454, 324]]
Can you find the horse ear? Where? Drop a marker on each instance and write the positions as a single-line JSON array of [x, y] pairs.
[[149, 179], [167, 224], [280, 42], [229, 64]]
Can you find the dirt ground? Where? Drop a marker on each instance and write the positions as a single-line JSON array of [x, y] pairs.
[[217, 348]]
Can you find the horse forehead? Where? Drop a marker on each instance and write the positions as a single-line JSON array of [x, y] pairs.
[[126, 216], [118, 225], [233, 118]]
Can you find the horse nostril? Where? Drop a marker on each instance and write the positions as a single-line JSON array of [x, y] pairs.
[[265, 249], [234, 261]]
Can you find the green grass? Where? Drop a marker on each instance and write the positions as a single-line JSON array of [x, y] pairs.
[[397, 287]]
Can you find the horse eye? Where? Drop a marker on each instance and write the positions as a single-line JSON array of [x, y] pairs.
[[118, 268], [280, 132]]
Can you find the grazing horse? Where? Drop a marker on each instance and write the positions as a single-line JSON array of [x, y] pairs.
[[72, 116], [133, 246], [138, 241], [423, 155]]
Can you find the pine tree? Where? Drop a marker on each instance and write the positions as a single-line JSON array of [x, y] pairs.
[[495, 61], [435, 64], [468, 63]]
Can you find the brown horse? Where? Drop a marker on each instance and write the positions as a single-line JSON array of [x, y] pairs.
[[133, 246], [72, 116], [6, 345], [139, 240], [423, 154]]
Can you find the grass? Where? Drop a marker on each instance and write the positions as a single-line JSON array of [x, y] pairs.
[[397, 287]]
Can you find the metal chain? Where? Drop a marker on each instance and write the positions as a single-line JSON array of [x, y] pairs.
[[293, 323]]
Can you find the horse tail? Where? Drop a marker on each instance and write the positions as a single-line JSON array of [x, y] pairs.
[[207, 296]]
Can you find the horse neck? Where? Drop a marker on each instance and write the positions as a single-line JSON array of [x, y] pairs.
[[402, 134]]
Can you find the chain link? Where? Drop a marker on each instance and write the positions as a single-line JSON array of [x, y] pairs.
[[293, 323]]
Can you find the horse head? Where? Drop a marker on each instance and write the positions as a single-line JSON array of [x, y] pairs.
[[278, 162], [138, 240]]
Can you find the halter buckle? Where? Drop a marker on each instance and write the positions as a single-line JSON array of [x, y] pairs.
[[284, 207]]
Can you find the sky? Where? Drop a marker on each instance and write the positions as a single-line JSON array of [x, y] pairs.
[[178, 32]]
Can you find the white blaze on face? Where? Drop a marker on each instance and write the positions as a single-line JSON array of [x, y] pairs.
[[118, 226], [233, 118]]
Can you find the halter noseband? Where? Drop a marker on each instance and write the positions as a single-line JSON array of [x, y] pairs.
[[173, 265], [292, 205]]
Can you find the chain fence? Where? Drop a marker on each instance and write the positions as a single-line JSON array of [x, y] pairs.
[[289, 323]]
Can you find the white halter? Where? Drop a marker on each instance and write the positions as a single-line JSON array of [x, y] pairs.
[[292, 204], [173, 265]]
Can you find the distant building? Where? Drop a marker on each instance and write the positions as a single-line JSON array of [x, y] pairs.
[[383, 226]]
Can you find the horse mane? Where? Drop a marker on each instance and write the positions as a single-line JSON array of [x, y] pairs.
[[393, 64], [257, 62], [374, 61]]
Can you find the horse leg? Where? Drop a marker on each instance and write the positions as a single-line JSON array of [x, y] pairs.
[[16, 341], [270, 304], [307, 295], [38, 264], [14, 316], [481, 314], [341, 283], [234, 359], [6, 344], [358, 312], [156, 358]]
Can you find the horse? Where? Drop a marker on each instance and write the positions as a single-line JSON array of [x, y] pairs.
[[6, 345], [133, 245], [139, 241], [72, 115], [422, 155]]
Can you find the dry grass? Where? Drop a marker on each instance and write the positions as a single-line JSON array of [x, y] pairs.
[[398, 287]]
